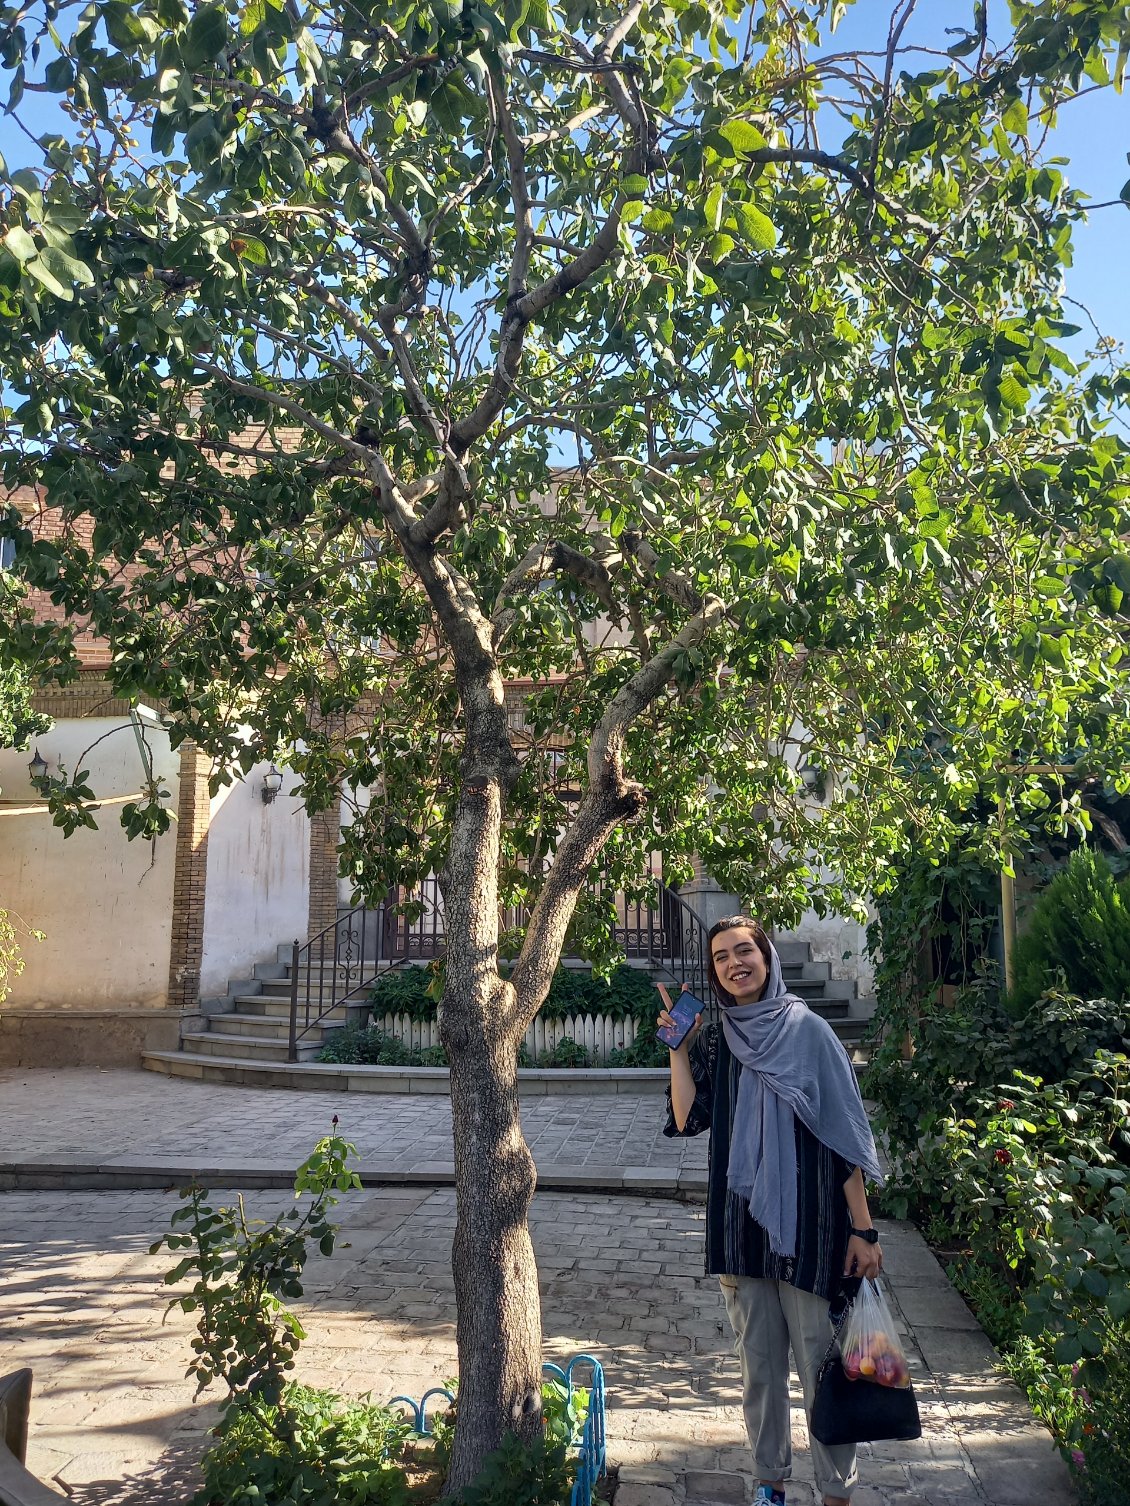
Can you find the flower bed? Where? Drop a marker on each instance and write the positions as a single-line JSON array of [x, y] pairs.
[[584, 1022], [1009, 1140]]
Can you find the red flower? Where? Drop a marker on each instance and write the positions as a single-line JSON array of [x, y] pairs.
[[1006, 1105], [1003, 1157]]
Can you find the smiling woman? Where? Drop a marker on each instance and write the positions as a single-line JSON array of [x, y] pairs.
[[788, 1229]]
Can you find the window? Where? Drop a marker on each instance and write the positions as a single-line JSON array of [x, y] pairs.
[[7, 553]]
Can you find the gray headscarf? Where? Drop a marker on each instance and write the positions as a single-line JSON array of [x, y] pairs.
[[792, 1064]]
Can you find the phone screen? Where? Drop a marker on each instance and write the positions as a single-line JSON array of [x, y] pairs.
[[683, 1011]]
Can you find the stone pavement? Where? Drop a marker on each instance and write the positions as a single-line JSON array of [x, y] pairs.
[[113, 1417], [93, 1128]]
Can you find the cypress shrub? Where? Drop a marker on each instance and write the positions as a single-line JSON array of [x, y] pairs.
[[1080, 928]]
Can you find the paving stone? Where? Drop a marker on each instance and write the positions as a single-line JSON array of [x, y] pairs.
[[630, 1494], [82, 1301], [716, 1485]]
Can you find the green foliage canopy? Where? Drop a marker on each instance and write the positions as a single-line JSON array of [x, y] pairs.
[[282, 264]]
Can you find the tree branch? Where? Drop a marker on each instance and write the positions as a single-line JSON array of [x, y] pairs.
[[546, 559], [288, 405], [523, 307], [833, 164], [609, 800], [670, 582]]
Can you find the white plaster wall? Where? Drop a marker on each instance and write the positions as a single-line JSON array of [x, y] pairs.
[[104, 903], [258, 889], [830, 937]]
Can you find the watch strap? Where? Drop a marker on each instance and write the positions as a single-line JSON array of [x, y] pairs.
[[870, 1235]]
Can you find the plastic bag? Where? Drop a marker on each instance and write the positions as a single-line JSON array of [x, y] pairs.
[[869, 1345]]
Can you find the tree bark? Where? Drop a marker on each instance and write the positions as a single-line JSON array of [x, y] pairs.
[[498, 1325], [498, 1311]]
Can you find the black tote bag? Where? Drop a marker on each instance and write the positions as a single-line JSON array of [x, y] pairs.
[[859, 1411]]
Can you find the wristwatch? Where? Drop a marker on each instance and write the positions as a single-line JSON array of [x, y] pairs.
[[870, 1235]]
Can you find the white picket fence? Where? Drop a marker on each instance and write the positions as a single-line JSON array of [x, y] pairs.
[[598, 1034]]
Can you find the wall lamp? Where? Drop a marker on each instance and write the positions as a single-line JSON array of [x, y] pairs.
[[272, 784], [37, 767]]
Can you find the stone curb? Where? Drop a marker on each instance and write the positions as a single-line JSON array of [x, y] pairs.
[[74, 1174], [533, 1082], [337, 1077]]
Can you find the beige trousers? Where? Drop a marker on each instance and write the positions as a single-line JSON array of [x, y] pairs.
[[769, 1317]]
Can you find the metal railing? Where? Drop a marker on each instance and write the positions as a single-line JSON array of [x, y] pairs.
[[335, 966], [345, 959]]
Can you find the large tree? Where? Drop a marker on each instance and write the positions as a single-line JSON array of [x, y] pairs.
[[704, 378]]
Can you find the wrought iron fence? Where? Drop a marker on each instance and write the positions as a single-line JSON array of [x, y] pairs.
[[341, 963]]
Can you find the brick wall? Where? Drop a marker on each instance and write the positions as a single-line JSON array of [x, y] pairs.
[[190, 880], [325, 834], [90, 695]]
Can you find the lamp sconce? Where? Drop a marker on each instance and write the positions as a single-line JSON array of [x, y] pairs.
[[37, 768], [272, 784], [815, 779]]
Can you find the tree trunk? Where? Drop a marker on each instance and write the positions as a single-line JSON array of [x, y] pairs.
[[498, 1323], [498, 1312]]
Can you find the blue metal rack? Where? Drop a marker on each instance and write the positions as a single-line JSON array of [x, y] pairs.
[[592, 1454]]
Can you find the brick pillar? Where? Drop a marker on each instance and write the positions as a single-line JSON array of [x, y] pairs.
[[190, 877], [325, 834]]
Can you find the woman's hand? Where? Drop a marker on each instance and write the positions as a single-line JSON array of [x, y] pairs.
[[667, 1021], [863, 1258]]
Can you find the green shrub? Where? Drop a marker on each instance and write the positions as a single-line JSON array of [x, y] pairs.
[[566, 1053], [1078, 936], [1022, 1184], [365, 1045], [645, 1051], [405, 990], [627, 994], [318, 1448], [541, 1474]]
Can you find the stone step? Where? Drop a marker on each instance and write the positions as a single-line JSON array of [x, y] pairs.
[[267, 1006], [244, 1048], [266, 1027]]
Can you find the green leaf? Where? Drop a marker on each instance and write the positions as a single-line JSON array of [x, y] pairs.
[[250, 248], [1049, 585], [742, 136], [1015, 118], [254, 14], [40, 269], [712, 209], [21, 244], [756, 228], [658, 221], [59, 75], [1067, 1349], [206, 37], [635, 185], [1013, 393]]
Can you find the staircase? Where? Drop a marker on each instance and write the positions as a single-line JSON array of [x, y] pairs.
[[254, 1023], [252, 1028], [834, 1000]]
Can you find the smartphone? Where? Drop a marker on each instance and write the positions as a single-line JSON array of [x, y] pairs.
[[683, 1011]]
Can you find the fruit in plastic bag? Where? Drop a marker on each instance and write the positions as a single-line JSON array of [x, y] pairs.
[[869, 1345]]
